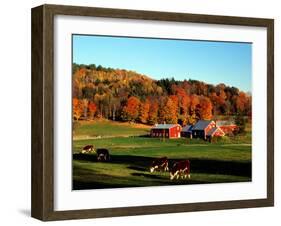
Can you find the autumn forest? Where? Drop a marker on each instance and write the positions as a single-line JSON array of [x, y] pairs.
[[123, 95]]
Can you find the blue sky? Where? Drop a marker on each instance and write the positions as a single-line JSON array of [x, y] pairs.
[[211, 62]]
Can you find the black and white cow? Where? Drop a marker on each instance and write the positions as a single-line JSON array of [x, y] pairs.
[[160, 164], [87, 149], [181, 168], [102, 154]]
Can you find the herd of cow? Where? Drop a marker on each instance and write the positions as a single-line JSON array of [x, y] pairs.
[[102, 153], [180, 169]]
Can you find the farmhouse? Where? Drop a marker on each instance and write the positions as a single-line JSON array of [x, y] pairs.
[[206, 129], [166, 130]]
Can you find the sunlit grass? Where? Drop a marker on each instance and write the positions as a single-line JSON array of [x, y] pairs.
[[228, 160]]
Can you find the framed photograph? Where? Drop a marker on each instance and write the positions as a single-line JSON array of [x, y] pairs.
[[141, 112]]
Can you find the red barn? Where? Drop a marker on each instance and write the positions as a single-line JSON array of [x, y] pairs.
[[228, 127], [166, 130], [206, 129], [215, 132], [229, 130]]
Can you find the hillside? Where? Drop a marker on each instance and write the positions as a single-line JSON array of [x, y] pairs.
[[123, 95]]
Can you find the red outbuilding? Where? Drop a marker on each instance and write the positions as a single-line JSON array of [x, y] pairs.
[[228, 127], [206, 129], [166, 130]]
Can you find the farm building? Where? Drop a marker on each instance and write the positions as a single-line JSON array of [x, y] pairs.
[[187, 131], [206, 129], [166, 130], [228, 127], [215, 132]]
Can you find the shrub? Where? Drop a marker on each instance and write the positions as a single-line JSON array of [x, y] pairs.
[[224, 139], [240, 121]]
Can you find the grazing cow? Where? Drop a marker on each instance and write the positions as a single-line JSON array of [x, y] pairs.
[[160, 164], [181, 168], [87, 149], [103, 154]]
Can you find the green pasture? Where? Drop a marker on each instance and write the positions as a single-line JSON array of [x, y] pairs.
[[228, 160], [108, 128]]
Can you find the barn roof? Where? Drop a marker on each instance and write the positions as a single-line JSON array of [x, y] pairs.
[[224, 123], [164, 126], [187, 128], [201, 124], [213, 130]]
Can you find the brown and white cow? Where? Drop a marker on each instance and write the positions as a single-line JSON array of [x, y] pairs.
[[181, 168], [160, 164], [87, 149]]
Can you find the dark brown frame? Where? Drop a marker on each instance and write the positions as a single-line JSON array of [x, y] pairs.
[[42, 203]]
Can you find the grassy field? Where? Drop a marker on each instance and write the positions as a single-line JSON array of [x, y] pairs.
[[104, 128], [228, 160]]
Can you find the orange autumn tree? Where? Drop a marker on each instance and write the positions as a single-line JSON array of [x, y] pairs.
[[110, 89], [92, 108], [168, 112], [78, 108], [175, 100], [183, 105], [194, 103], [144, 111], [241, 102], [215, 100], [184, 108], [171, 110], [153, 113], [131, 110], [206, 107], [85, 103]]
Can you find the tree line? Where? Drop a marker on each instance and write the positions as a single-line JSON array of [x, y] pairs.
[[123, 95]]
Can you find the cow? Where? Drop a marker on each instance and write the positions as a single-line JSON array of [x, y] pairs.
[[102, 154], [181, 168], [160, 164], [87, 149]]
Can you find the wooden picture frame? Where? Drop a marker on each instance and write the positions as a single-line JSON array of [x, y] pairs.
[[42, 205]]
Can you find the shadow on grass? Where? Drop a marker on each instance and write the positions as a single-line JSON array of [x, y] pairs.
[[102, 181], [87, 179], [137, 168], [144, 135], [221, 167], [151, 176], [91, 179], [207, 166], [85, 157]]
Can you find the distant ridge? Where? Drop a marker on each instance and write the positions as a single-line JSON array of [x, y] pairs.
[[125, 95]]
